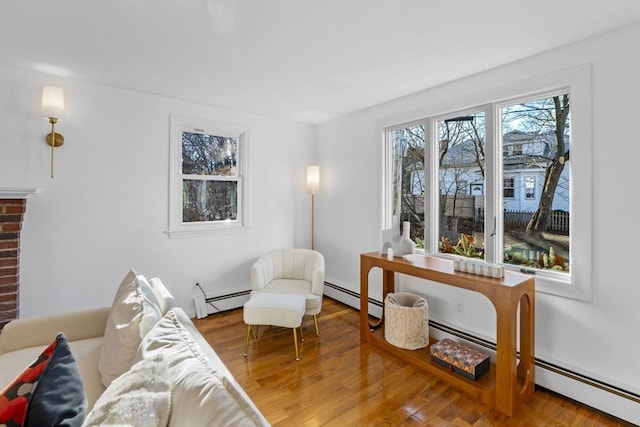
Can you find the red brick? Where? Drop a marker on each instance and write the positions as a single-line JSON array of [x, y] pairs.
[[9, 271], [11, 202], [8, 262], [13, 209], [8, 288], [8, 280], [8, 244], [8, 314], [9, 298], [9, 253], [10, 226]]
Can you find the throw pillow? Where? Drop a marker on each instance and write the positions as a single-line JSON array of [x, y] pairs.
[[133, 313], [48, 392], [140, 397], [165, 300], [199, 396]]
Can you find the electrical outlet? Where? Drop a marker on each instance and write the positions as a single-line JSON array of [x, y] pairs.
[[196, 281], [460, 307]]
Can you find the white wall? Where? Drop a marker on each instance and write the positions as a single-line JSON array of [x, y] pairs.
[[106, 210], [599, 338]]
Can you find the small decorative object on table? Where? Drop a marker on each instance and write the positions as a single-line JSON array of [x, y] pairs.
[[478, 267], [460, 358], [400, 244]]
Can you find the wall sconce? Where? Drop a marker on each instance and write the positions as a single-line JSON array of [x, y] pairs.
[[52, 110], [313, 185]]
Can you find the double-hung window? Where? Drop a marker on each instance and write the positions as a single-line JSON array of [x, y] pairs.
[[207, 177], [496, 183]]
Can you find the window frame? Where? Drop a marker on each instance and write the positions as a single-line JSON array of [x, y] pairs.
[[179, 228], [577, 283], [527, 187], [511, 178]]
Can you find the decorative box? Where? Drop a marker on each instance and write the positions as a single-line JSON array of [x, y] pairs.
[[460, 358]]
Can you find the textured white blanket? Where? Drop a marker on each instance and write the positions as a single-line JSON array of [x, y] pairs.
[[140, 397]]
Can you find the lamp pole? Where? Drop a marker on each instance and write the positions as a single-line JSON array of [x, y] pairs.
[[313, 184]]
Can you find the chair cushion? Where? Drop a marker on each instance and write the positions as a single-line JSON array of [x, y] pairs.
[[313, 302], [274, 309]]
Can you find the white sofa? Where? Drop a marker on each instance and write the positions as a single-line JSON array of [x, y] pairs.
[[201, 390]]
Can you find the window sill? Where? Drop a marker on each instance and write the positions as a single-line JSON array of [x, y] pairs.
[[561, 287], [204, 231]]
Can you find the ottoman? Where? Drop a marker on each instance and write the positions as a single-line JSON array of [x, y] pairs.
[[282, 310]]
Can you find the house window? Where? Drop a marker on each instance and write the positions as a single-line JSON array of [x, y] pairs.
[[529, 187], [527, 207], [208, 182], [508, 187]]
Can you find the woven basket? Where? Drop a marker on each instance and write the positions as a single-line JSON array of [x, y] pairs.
[[406, 322]]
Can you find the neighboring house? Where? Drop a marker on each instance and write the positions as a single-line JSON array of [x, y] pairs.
[[524, 168]]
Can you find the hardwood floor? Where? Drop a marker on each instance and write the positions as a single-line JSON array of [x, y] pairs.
[[341, 382]]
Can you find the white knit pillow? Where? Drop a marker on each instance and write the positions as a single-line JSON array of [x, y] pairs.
[[133, 313], [140, 397]]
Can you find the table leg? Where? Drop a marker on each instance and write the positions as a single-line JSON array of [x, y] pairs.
[[506, 362], [364, 300], [526, 367]]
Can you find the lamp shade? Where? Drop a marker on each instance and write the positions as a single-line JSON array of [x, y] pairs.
[[313, 179], [52, 102]]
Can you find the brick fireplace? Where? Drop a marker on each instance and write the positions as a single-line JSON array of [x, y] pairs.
[[11, 216]]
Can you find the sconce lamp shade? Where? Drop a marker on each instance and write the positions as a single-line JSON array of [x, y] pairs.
[[313, 179], [52, 102]]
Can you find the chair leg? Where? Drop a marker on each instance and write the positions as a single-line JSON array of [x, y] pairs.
[[246, 343], [295, 342], [315, 320]]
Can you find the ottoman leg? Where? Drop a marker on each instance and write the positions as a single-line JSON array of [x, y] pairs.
[[246, 343], [315, 321], [295, 342]]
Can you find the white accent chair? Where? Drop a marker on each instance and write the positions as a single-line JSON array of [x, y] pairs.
[[293, 272]]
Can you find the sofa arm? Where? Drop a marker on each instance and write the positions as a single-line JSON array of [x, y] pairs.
[[36, 331]]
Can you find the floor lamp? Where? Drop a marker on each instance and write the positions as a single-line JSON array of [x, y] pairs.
[[313, 184]]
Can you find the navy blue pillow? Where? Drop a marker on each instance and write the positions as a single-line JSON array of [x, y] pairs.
[[58, 398]]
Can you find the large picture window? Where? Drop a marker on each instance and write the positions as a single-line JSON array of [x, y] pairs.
[[408, 177], [460, 160], [207, 180], [496, 183]]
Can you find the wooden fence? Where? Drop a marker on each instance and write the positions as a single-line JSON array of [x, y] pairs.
[[518, 220]]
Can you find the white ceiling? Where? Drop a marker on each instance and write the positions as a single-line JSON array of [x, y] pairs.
[[309, 60]]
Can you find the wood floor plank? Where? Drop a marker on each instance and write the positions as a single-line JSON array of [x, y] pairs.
[[340, 381]]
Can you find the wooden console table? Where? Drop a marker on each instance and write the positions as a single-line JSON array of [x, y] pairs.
[[508, 383]]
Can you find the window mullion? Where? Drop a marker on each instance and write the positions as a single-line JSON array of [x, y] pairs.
[[492, 229], [431, 153]]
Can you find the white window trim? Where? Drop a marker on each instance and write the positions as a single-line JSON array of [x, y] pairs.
[[578, 284], [179, 229]]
